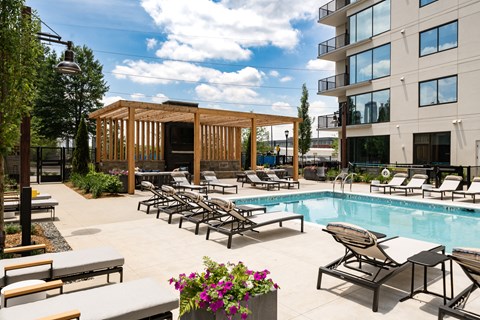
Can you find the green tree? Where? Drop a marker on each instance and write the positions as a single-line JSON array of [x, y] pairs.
[[305, 127], [263, 139], [19, 54], [248, 149], [81, 156], [64, 99]]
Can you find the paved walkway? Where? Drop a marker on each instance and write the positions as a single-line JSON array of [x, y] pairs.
[[156, 249]]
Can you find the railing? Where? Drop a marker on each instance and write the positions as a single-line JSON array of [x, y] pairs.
[[333, 82], [328, 121], [333, 44], [333, 6]]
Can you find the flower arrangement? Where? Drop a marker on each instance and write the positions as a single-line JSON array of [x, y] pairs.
[[225, 287], [118, 172]]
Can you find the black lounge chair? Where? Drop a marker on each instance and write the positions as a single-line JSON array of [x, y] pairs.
[[288, 183], [181, 182], [254, 180], [236, 223], [179, 207], [469, 261], [212, 180], [157, 199], [378, 261]]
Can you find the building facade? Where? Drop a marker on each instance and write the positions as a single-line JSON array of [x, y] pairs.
[[407, 79]]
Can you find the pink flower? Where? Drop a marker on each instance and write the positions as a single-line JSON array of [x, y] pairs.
[[192, 275], [246, 297], [244, 315], [233, 310]]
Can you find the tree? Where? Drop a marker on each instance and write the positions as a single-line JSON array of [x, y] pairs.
[[263, 139], [305, 127], [19, 52], [81, 156], [248, 149], [64, 99]]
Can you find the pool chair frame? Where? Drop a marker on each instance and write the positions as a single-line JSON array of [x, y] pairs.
[[157, 199], [449, 184], [456, 307], [358, 242], [254, 180], [211, 180], [272, 176]]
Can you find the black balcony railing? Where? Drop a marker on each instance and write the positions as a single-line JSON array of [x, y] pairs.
[[333, 6], [333, 44], [328, 121], [333, 82]]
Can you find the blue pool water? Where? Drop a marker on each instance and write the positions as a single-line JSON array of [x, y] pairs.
[[451, 226]]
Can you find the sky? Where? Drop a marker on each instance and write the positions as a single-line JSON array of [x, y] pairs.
[[249, 56]]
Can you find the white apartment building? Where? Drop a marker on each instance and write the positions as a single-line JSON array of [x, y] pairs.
[[408, 76]]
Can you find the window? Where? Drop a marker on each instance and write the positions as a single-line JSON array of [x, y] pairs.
[[438, 91], [439, 39], [431, 148], [369, 107], [369, 149], [369, 22], [425, 2], [370, 64]]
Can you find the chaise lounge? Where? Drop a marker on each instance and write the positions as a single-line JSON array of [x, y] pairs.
[[415, 183], [138, 299], [450, 184], [397, 180], [378, 261], [157, 199], [211, 180], [273, 177], [254, 180], [239, 224], [473, 190]]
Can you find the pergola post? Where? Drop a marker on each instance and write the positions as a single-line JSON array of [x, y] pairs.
[[295, 151], [238, 145], [130, 150], [197, 148], [253, 145], [98, 141]]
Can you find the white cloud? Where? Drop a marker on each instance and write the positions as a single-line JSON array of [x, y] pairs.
[[286, 79], [137, 96], [274, 73], [322, 65], [226, 94], [282, 108], [151, 43], [109, 100], [226, 29], [159, 98]]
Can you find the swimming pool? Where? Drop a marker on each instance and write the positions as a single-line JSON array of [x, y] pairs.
[[452, 226]]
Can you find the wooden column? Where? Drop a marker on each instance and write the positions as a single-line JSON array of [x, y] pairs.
[[295, 151], [238, 146], [104, 134], [197, 148], [253, 153], [231, 143], [98, 142], [131, 150]]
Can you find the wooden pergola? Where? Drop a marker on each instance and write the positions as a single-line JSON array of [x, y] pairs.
[[129, 130]]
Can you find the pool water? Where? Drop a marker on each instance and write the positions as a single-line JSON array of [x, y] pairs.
[[451, 226]]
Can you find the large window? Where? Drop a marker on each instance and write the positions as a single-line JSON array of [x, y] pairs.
[[439, 39], [425, 2], [369, 149], [438, 91], [369, 107], [431, 148], [369, 22], [370, 64]]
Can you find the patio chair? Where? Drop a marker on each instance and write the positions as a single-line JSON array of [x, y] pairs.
[[397, 180], [212, 180], [67, 265], [473, 190], [157, 199], [415, 183], [378, 261], [254, 180], [239, 224], [138, 299], [469, 260], [181, 182], [273, 177], [450, 184], [179, 207]]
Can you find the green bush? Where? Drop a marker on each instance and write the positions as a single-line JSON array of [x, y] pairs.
[[12, 228], [97, 183]]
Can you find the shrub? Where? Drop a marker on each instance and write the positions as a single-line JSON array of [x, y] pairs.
[[12, 228], [96, 183]]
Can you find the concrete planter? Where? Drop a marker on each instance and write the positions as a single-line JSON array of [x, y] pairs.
[[262, 307]]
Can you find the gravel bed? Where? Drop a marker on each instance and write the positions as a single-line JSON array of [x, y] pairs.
[[51, 232]]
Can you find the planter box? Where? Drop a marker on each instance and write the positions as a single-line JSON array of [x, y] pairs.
[[263, 307]]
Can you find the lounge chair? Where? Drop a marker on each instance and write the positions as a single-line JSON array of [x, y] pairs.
[[473, 190], [239, 224], [449, 184], [254, 180], [288, 183], [181, 204], [138, 299], [469, 261], [67, 265], [157, 199], [378, 260], [212, 180], [181, 182], [415, 183], [40, 204], [397, 180]]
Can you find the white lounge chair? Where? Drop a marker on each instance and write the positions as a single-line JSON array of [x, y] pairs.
[[212, 180], [450, 184], [473, 190], [416, 182], [397, 180]]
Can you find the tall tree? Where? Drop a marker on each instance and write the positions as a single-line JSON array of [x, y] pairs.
[[81, 156], [19, 52], [305, 127], [64, 99], [263, 139]]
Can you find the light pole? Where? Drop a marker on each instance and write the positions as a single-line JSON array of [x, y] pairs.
[[286, 145]]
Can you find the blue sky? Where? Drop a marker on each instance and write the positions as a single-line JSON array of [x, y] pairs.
[[250, 55]]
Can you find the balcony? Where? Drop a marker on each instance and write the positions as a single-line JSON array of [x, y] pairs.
[[329, 122], [334, 12], [335, 49], [336, 86]]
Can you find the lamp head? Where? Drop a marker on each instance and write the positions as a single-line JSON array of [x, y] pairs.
[[68, 66], [286, 133]]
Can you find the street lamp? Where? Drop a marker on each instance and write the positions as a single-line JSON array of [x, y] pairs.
[[286, 145]]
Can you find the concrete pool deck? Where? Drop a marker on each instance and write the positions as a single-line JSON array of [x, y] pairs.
[[154, 248]]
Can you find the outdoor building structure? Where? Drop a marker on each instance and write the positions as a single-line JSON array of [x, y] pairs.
[[407, 79], [163, 137]]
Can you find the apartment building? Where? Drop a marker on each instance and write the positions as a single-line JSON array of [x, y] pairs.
[[407, 79]]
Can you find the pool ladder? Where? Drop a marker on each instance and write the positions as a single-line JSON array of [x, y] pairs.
[[343, 177]]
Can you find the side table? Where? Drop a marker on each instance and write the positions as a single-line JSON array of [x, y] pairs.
[[429, 259]]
